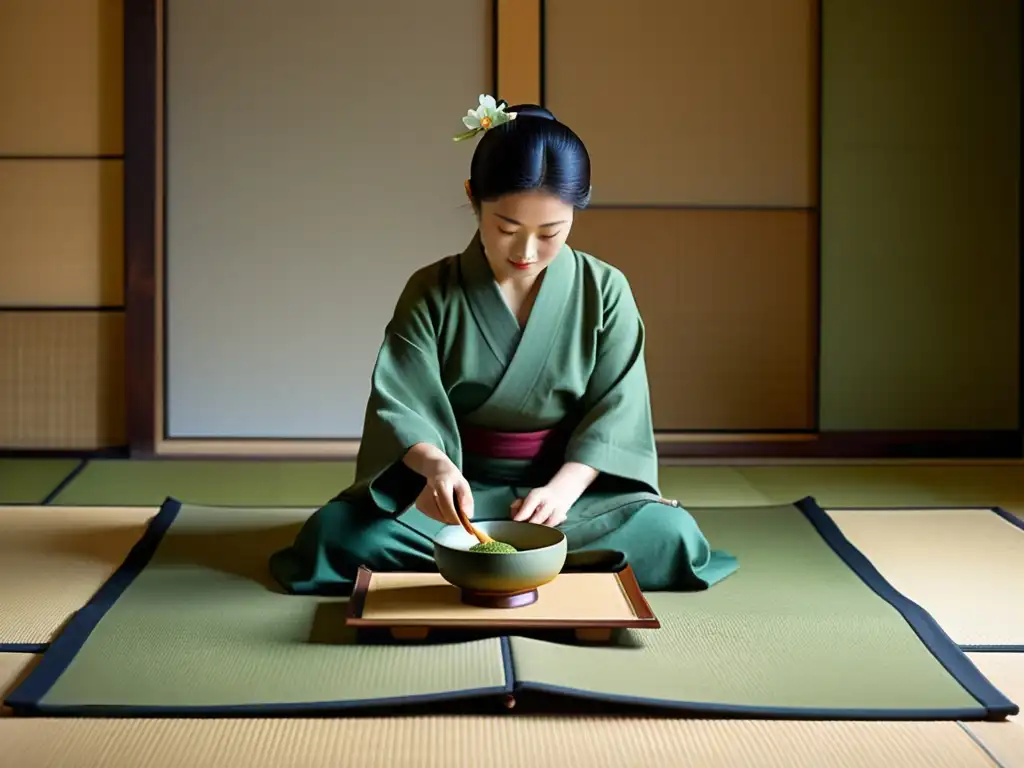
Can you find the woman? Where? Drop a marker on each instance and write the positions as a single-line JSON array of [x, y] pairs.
[[511, 381]]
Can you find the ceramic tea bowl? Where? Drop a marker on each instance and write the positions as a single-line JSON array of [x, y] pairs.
[[540, 557]]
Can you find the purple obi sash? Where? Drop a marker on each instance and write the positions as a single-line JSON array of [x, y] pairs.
[[503, 445]]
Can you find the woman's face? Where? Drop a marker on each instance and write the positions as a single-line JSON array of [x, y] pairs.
[[523, 232]]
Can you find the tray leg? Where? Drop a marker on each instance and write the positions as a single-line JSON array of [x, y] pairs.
[[594, 634], [410, 633]]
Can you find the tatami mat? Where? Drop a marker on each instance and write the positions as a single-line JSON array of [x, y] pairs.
[[71, 551], [30, 481], [13, 667], [711, 487], [1004, 740], [796, 631], [296, 483], [311, 483], [111, 482], [52, 561], [901, 485], [513, 741], [846, 486], [965, 567], [469, 742]]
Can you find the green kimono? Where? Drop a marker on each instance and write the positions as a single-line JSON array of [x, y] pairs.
[[454, 353]]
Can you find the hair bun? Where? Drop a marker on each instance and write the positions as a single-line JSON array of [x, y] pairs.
[[524, 148], [531, 110]]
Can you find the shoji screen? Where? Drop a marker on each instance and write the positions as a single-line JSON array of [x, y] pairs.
[[61, 255], [310, 171]]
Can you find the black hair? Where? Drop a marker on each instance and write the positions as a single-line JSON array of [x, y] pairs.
[[532, 152]]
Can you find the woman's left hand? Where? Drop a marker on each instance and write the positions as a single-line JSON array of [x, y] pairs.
[[547, 505]]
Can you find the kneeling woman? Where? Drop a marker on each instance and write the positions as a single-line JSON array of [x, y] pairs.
[[511, 381]]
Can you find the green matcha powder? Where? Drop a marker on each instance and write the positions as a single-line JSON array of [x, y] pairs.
[[493, 548]]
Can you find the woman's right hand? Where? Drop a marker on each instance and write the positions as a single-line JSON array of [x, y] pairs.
[[444, 488]]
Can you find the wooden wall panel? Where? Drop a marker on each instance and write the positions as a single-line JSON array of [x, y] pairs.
[[728, 298], [61, 380], [689, 101], [61, 233], [921, 215], [61, 77], [519, 51]]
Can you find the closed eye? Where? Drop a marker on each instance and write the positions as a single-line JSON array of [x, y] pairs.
[[542, 237]]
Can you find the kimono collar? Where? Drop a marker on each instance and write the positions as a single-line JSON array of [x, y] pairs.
[[498, 324]]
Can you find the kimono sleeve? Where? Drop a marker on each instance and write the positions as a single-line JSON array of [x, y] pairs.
[[407, 403], [616, 432]]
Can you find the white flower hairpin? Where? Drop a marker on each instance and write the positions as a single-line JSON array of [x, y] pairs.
[[489, 114]]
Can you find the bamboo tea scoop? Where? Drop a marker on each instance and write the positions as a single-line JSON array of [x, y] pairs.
[[482, 537], [487, 544]]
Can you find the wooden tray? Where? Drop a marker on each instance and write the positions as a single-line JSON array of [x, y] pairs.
[[409, 605]]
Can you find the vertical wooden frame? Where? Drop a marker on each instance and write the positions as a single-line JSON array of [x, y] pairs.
[[519, 51], [142, 93]]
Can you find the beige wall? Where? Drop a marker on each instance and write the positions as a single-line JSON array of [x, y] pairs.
[[61, 371]]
